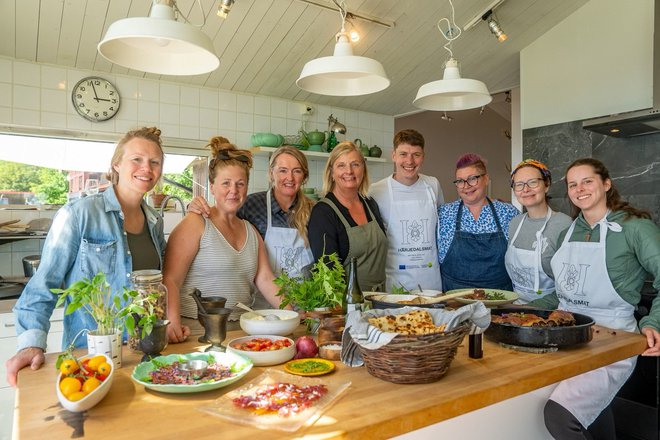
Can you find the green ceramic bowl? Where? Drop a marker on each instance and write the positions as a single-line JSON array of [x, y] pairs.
[[267, 140]]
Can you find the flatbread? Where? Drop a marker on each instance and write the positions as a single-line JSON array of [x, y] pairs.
[[415, 322]]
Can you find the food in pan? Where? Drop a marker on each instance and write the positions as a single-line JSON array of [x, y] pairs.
[[557, 318], [415, 322], [481, 295], [282, 399]]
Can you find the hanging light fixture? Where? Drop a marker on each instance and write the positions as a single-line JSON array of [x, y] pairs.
[[452, 92], [159, 44], [343, 74]]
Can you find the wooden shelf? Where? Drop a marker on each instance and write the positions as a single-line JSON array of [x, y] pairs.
[[313, 155]]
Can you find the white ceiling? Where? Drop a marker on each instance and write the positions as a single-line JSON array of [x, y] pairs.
[[263, 44]]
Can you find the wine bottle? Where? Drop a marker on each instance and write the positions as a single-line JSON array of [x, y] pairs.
[[353, 299]]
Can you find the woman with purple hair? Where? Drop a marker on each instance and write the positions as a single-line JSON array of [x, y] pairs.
[[473, 231]]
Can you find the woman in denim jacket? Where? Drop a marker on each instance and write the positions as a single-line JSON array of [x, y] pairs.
[[90, 235]]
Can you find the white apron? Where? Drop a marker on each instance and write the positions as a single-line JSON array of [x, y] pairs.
[[412, 254], [583, 286], [286, 251], [525, 268]]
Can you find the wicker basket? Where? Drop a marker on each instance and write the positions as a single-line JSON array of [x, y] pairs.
[[415, 359]]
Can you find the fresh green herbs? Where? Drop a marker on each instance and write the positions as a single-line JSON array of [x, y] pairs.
[[495, 296], [400, 290]]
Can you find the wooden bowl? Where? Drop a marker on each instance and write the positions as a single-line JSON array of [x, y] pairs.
[[330, 351]]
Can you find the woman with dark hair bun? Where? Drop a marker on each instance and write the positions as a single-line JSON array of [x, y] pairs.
[[533, 236], [221, 255], [472, 241], [599, 271]]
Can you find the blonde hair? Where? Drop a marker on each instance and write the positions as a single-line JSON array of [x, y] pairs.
[[149, 133], [302, 210], [341, 149], [226, 154]]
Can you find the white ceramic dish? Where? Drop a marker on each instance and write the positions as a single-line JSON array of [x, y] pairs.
[[253, 324], [264, 358], [92, 398]]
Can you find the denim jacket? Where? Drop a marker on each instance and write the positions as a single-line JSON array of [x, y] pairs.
[[87, 236]]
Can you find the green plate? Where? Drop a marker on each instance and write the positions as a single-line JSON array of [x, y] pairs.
[[509, 297], [239, 365]]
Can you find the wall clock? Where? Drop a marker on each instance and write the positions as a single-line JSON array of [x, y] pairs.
[[95, 99]]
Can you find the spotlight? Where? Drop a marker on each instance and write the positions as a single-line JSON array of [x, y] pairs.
[[494, 26], [224, 8]]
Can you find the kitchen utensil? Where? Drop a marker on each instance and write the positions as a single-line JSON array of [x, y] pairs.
[[318, 148], [375, 151], [309, 367], [561, 336], [30, 264], [240, 366], [256, 324], [267, 140], [9, 222], [315, 137], [267, 357], [156, 341], [195, 367], [208, 302], [214, 322], [267, 316], [364, 149]]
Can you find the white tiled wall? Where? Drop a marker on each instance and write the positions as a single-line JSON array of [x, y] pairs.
[[39, 95]]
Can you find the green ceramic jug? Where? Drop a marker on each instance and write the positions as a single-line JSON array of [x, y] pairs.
[[332, 141]]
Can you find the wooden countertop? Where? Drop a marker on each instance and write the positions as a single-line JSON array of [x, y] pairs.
[[371, 408]]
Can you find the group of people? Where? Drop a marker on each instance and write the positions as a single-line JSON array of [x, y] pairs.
[[399, 229]]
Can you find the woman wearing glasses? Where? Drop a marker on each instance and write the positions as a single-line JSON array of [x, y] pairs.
[[221, 255], [347, 222], [473, 232], [533, 235]]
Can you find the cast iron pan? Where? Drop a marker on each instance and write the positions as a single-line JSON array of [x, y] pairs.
[[565, 336]]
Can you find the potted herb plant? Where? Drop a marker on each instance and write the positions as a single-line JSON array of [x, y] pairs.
[[322, 291]]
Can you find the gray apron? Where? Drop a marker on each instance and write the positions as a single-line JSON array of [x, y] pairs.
[[368, 244]]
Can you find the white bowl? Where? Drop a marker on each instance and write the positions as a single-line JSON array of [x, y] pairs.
[[254, 324], [92, 398], [264, 358]]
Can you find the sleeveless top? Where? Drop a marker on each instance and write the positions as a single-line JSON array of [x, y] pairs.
[[220, 270]]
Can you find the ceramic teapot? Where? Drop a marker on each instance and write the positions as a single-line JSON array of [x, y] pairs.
[[375, 151], [314, 137], [364, 149]]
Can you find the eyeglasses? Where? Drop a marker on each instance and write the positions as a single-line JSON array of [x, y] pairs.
[[531, 184], [471, 181]]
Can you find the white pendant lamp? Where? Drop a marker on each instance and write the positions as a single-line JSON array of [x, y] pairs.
[[452, 93], [343, 74], [159, 44]]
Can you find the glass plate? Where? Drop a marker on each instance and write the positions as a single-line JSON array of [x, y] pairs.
[[224, 407], [509, 297], [240, 365]]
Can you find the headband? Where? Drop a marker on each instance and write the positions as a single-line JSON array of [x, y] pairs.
[[545, 172]]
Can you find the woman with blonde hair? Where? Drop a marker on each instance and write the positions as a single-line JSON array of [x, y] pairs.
[[348, 222], [280, 214], [221, 255], [114, 232]]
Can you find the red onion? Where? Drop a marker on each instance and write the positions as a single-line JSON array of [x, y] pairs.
[[306, 347]]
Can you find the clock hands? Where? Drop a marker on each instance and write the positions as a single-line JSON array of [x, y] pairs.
[[96, 96]]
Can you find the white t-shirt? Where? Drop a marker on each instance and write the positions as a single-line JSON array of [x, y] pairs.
[[417, 191]]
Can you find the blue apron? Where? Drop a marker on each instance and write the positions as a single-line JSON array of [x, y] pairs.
[[476, 260]]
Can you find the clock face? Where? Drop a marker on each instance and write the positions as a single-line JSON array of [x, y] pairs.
[[95, 99]]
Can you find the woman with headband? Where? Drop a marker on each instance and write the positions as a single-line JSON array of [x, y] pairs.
[[221, 255], [533, 235]]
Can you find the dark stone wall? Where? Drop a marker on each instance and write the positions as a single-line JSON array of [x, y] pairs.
[[634, 163]]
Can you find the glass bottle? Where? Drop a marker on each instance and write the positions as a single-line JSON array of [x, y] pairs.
[[149, 282], [353, 299]]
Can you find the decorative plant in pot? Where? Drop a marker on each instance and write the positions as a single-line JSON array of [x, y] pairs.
[[111, 312], [143, 322], [319, 294]]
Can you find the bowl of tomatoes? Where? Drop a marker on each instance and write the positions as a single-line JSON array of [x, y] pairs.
[[83, 382], [263, 350]]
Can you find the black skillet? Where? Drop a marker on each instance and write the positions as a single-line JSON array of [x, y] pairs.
[[564, 336]]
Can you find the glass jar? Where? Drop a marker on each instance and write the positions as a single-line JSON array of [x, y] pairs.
[[147, 283]]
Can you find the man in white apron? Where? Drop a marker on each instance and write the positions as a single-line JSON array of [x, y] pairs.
[[583, 286], [409, 202]]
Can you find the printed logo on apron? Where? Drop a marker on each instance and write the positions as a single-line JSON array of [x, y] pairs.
[[289, 259], [571, 280], [522, 275], [415, 231]]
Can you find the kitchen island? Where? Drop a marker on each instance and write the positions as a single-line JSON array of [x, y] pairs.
[[371, 408]]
